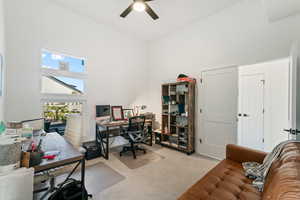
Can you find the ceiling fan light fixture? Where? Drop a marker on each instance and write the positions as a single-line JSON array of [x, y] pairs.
[[139, 6]]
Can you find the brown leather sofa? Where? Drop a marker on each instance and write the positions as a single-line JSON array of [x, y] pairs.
[[228, 182]]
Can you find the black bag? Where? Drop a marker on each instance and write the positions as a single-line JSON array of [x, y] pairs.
[[70, 190]]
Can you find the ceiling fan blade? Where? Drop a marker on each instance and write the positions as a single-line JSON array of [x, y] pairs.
[[127, 11], [151, 12]]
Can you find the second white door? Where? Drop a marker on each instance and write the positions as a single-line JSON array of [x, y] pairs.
[[251, 111]]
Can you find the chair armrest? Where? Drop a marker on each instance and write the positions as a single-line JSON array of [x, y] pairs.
[[242, 154]]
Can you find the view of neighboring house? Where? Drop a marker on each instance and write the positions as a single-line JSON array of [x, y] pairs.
[[53, 85]]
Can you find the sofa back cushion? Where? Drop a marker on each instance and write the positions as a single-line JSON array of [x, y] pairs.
[[283, 180]]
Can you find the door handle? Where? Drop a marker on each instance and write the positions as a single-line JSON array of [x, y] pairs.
[[245, 115], [292, 131], [287, 130], [239, 114]]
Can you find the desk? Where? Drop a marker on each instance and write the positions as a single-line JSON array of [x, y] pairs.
[[102, 137], [68, 155]]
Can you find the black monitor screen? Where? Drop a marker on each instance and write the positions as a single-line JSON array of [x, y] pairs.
[[103, 111]]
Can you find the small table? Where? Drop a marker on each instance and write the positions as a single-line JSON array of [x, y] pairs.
[[102, 137], [68, 155]]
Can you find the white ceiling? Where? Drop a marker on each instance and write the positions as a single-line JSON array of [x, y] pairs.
[[174, 14], [279, 9]]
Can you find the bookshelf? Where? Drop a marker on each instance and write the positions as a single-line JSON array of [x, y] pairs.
[[178, 116]]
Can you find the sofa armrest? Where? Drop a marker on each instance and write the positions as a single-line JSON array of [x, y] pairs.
[[242, 154]]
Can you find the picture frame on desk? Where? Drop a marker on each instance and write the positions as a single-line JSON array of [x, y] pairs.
[[128, 113], [117, 113]]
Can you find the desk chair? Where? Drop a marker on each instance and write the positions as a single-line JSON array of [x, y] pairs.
[[135, 134]]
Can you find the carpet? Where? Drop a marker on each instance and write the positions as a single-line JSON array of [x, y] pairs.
[[141, 160], [98, 177], [163, 180]]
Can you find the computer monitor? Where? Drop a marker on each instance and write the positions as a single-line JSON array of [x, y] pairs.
[[102, 111]]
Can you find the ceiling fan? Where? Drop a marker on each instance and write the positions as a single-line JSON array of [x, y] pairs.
[[140, 6]]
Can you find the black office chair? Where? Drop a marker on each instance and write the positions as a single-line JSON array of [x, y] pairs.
[[135, 134]]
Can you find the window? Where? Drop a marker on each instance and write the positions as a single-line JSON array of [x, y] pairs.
[[62, 75], [62, 88], [56, 111], [62, 85], [56, 114], [62, 62]]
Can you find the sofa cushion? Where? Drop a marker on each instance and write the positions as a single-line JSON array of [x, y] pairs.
[[283, 180], [226, 181]]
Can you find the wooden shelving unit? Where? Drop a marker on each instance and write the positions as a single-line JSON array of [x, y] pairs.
[[178, 111]]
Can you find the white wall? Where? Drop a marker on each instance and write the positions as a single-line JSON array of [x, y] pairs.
[[238, 35], [115, 62], [2, 52]]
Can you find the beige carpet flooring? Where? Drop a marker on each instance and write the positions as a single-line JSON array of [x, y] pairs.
[[142, 159], [162, 179], [165, 179], [98, 177]]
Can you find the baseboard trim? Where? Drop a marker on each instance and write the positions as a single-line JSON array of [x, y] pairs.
[[209, 156]]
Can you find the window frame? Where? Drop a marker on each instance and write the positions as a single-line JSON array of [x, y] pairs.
[[82, 98]]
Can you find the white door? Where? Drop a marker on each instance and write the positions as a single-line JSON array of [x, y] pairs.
[[251, 111], [294, 107], [218, 110]]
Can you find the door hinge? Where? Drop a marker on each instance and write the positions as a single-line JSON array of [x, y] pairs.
[[200, 140], [201, 111], [201, 80], [263, 111], [263, 140]]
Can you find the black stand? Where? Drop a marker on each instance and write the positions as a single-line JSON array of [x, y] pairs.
[[52, 187], [102, 140]]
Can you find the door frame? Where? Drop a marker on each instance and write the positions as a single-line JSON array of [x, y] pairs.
[[294, 95]]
